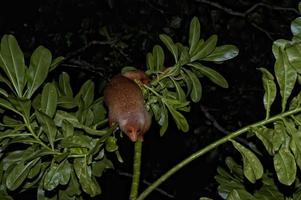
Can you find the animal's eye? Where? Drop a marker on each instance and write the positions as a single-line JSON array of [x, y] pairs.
[[138, 131]]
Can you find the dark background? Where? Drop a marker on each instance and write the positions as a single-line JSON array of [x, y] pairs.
[[74, 29]]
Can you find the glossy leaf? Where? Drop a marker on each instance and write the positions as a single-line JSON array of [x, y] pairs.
[[67, 129], [12, 63], [285, 166], [222, 53], [158, 55], [38, 69], [60, 116], [196, 90], [253, 169], [170, 45], [57, 174], [83, 173], [180, 92], [82, 141], [286, 77], [269, 88], [18, 174], [49, 99], [213, 75], [66, 102], [48, 127], [180, 120], [279, 135], [207, 48], [194, 34], [266, 137], [86, 93], [6, 104], [293, 53], [296, 26], [64, 85]]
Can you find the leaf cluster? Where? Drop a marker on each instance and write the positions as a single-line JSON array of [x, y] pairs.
[[281, 139], [51, 139], [172, 88]]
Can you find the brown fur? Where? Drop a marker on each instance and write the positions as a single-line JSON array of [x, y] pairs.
[[125, 102]]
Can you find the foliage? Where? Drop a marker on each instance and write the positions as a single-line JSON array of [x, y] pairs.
[[171, 87], [281, 138], [51, 139]]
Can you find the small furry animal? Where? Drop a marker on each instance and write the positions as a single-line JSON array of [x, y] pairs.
[[125, 102]]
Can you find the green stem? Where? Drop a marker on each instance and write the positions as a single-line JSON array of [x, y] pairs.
[[36, 137], [208, 148], [136, 170]]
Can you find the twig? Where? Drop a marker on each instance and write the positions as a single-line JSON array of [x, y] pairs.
[[248, 11], [161, 191], [213, 120], [82, 49], [262, 30]]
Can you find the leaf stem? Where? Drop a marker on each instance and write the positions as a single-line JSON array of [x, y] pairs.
[[28, 125], [136, 170], [211, 146]]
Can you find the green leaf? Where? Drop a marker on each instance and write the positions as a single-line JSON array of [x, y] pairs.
[[67, 129], [18, 174], [180, 120], [158, 55], [111, 144], [170, 45], [296, 26], [286, 76], [49, 99], [222, 53], [56, 62], [253, 169], [64, 85], [293, 53], [60, 116], [48, 127], [279, 136], [285, 166], [66, 102], [196, 90], [86, 93], [150, 63], [57, 174], [180, 92], [213, 75], [163, 121], [266, 137], [194, 34], [3, 92], [99, 166], [83, 173], [6, 104], [207, 48], [12, 63], [82, 141], [38, 69], [269, 88], [240, 195]]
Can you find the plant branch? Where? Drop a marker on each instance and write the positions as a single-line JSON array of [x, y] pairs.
[[211, 146], [136, 170]]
